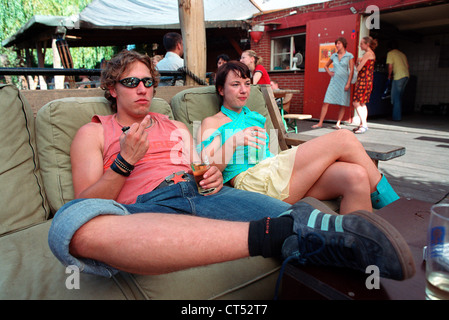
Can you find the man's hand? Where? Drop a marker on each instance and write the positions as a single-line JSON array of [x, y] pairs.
[[212, 178], [134, 141]]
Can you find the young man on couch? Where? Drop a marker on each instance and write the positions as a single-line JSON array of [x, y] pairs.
[[138, 208]]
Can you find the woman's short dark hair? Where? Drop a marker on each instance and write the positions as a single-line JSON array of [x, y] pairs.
[[115, 67], [236, 66], [343, 41]]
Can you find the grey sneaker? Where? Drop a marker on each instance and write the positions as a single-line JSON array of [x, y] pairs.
[[355, 240]]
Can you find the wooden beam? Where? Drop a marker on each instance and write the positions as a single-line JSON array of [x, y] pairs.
[[191, 18], [235, 45]]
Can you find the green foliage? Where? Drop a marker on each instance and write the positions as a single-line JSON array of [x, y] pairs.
[[14, 14]]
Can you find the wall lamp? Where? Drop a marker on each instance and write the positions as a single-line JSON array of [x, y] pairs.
[[257, 32]]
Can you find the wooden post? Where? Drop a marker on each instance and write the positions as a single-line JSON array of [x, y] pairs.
[[191, 18], [59, 80], [41, 64]]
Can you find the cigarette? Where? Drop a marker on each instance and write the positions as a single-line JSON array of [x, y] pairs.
[[124, 129]]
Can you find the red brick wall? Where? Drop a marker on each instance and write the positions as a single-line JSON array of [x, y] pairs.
[[292, 81]]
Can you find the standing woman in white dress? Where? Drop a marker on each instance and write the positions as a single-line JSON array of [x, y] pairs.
[[339, 89]]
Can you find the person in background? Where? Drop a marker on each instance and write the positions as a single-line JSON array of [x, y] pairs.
[[274, 85], [222, 59], [364, 84], [398, 72], [282, 102], [172, 60], [155, 59], [84, 78], [253, 61], [174, 46], [339, 89]]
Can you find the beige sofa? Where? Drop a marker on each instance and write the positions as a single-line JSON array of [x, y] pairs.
[[35, 180]]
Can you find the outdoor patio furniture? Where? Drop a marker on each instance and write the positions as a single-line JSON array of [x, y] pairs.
[[35, 181]]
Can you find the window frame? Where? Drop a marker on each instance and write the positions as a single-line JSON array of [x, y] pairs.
[[273, 55]]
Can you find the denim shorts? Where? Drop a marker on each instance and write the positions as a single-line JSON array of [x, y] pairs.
[[181, 198]]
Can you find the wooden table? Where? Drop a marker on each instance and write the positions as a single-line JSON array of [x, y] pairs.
[[411, 218], [280, 94], [376, 151]]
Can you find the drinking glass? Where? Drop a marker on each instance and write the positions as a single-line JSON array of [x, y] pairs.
[[437, 262], [199, 167]]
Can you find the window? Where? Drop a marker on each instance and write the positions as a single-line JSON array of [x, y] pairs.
[[288, 52]]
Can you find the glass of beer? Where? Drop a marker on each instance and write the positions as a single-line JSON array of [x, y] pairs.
[[199, 167]]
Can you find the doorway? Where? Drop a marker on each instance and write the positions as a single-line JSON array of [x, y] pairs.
[[422, 33]]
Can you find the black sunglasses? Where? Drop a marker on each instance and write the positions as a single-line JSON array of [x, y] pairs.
[[133, 82]]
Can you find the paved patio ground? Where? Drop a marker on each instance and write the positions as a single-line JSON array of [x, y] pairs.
[[423, 172]]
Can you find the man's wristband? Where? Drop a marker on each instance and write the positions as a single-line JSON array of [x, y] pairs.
[[116, 169], [129, 167]]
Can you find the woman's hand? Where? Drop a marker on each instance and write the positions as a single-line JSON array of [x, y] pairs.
[[251, 136]]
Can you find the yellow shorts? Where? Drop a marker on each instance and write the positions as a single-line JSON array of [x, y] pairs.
[[270, 176]]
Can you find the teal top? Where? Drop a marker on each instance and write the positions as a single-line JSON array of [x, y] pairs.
[[244, 157]]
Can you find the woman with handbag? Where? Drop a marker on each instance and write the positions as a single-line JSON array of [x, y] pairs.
[[338, 91]]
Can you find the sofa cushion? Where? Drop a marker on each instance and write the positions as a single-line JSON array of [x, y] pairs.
[[243, 279], [193, 105], [57, 123], [29, 270], [22, 196]]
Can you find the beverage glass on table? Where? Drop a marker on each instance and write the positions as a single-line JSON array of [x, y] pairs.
[[437, 257], [199, 167]]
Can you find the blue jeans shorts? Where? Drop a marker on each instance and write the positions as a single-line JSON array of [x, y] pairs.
[[181, 198]]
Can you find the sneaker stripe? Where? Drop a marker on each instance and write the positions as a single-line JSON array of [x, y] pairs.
[[325, 222], [312, 218], [339, 223]]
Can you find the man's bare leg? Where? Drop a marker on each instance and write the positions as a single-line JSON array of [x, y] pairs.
[[152, 243]]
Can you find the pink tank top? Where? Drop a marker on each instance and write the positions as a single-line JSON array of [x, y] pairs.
[[165, 155]]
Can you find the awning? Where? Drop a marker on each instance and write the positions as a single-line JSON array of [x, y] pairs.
[[112, 20], [162, 14]]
